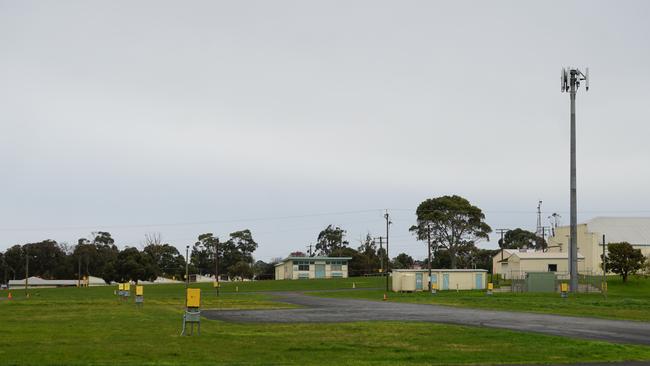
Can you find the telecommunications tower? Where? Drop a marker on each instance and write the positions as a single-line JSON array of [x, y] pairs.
[[570, 82]]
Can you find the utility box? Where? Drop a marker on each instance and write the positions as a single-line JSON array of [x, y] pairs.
[[540, 282]]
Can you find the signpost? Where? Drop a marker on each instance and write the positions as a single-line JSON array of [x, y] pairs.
[[192, 311], [139, 295]]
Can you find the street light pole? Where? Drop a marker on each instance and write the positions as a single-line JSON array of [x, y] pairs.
[[570, 81]]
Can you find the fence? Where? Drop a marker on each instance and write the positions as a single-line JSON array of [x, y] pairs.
[[588, 282]]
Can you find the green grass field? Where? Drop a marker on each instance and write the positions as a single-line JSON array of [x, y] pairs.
[[624, 300], [91, 326]]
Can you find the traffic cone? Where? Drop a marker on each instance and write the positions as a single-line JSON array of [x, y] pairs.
[[9, 297], [385, 297]]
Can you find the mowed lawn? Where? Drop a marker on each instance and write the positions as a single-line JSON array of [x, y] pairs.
[[91, 326], [629, 300]]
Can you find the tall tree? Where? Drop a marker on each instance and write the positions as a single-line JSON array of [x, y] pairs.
[[133, 265], [243, 241], [15, 262], [368, 255], [203, 254], [46, 260], [402, 261], [623, 259], [330, 240], [168, 262], [98, 257], [520, 238], [455, 224]]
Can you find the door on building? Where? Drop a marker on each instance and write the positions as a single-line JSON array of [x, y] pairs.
[[479, 281], [445, 281], [320, 271], [418, 281]]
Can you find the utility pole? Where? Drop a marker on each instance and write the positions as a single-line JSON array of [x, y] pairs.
[[381, 256], [539, 229], [26, 269], [570, 81], [187, 271], [388, 222], [604, 285], [309, 249], [79, 271], [216, 264], [502, 231], [429, 247]]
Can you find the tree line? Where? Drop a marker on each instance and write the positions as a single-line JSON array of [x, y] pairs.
[[100, 257]]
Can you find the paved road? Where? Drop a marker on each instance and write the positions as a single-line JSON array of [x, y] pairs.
[[317, 309]]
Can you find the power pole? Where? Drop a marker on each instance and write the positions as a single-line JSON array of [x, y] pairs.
[[604, 285], [216, 265], [570, 81], [502, 231], [381, 256], [26, 269], [309, 249], [539, 229], [388, 222], [187, 271], [79, 272], [429, 247]]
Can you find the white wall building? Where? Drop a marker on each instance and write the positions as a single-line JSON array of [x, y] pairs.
[[294, 268], [634, 230]]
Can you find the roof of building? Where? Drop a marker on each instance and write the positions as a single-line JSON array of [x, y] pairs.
[[440, 270], [544, 255], [37, 281], [634, 230], [316, 258]]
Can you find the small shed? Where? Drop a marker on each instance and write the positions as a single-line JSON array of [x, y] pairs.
[[441, 279]]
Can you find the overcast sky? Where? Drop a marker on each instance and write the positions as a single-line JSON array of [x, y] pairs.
[[284, 116]]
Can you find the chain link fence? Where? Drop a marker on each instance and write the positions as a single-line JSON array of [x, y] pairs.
[[520, 282]]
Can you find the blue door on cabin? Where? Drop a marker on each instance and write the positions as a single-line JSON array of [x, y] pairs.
[[479, 281], [434, 281], [418, 281], [320, 271], [445, 281]]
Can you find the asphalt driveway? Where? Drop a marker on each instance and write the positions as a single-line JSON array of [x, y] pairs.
[[323, 310]]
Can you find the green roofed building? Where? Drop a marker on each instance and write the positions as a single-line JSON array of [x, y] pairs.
[[296, 268]]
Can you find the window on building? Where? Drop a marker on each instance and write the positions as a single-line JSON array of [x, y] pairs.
[[336, 267], [303, 267], [552, 267]]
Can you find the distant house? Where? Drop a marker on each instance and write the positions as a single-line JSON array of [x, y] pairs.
[[294, 268], [516, 263]]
